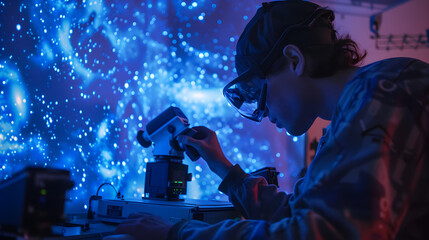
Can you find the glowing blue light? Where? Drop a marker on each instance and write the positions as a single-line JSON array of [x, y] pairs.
[[102, 130], [104, 70]]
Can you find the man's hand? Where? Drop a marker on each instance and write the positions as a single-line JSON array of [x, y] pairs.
[[144, 226], [207, 145]]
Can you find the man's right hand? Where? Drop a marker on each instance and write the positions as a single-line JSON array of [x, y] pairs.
[[207, 145]]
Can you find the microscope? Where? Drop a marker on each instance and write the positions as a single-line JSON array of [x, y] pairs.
[[167, 177]]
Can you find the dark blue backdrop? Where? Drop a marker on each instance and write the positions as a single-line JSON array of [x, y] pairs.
[[79, 78]]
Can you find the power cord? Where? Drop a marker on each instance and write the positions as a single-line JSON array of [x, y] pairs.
[[96, 197]]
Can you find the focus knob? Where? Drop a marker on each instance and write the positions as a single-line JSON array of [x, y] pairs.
[[141, 139]]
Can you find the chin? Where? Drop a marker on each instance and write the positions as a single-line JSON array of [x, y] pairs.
[[296, 131], [299, 128]]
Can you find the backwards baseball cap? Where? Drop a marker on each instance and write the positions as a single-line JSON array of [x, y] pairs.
[[274, 25]]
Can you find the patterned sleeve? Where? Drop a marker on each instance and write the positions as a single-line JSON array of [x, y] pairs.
[[368, 181], [253, 197]]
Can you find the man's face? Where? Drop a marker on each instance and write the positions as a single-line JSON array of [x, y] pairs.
[[291, 101]]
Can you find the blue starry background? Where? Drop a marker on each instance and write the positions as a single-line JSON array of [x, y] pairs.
[[78, 79]]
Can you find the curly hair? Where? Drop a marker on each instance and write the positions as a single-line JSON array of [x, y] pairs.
[[325, 59]]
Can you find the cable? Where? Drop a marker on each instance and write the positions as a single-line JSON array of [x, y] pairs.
[[96, 197], [106, 184]]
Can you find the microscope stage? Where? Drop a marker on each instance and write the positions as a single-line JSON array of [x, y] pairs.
[[210, 211]]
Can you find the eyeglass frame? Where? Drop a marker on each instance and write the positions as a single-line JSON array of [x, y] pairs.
[[258, 68]]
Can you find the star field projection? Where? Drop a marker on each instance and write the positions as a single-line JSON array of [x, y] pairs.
[[78, 79]]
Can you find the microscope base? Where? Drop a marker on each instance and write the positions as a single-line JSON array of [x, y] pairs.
[[116, 211]]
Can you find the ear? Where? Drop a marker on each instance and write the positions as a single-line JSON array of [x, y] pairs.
[[295, 57]]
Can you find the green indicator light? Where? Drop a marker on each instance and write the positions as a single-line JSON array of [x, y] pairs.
[[43, 191]]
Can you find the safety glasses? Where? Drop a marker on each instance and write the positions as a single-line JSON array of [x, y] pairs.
[[248, 92]]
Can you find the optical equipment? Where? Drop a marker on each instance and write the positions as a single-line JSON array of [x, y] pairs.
[[167, 177]]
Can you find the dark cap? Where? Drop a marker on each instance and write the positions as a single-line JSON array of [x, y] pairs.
[[272, 22]]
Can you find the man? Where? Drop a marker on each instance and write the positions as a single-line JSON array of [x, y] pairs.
[[369, 178]]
